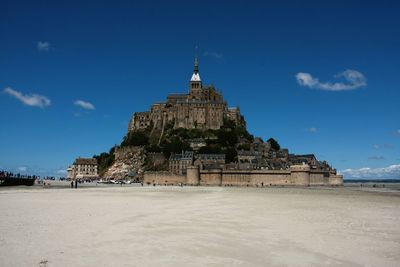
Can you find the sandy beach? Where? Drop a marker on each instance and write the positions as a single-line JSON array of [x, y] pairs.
[[199, 226]]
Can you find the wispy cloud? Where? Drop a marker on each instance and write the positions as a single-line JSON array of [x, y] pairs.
[[217, 56], [43, 46], [390, 172], [84, 104], [311, 130], [376, 146], [352, 79], [33, 100], [376, 157], [398, 132]]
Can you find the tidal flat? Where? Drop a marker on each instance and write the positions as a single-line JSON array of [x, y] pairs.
[[200, 226]]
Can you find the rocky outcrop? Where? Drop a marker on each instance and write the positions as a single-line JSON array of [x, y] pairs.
[[129, 163]]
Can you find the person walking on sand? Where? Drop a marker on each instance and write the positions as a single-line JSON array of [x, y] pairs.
[[76, 183], [72, 184]]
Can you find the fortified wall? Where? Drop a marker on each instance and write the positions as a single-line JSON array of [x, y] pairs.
[[297, 175]]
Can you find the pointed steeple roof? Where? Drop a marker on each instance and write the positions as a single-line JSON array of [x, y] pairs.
[[196, 75]]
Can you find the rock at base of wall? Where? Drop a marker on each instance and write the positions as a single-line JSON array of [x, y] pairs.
[[129, 163]]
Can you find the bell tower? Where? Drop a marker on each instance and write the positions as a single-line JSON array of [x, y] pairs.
[[195, 85]]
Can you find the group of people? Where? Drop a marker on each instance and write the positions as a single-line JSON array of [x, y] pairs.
[[74, 183], [17, 175]]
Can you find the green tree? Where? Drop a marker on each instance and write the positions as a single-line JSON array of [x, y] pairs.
[[153, 148], [243, 147], [196, 133], [227, 137], [210, 149], [104, 161], [229, 124], [174, 145], [242, 132], [136, 138], [274, 144], [230, 155]]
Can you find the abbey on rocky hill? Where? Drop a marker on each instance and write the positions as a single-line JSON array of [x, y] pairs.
[[202, 108], [195, 138]]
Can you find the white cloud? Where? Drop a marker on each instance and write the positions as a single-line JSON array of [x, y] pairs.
[[84, 104], [311, 130], [390, 172], [376, 146], [22, 169], [43, 46], [215, 55], [398, 132], [30, 100], [352, 80]]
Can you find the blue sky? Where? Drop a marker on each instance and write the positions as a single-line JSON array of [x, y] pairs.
[[319, 76]]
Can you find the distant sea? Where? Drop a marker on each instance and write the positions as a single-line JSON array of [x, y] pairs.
[[390, 181]]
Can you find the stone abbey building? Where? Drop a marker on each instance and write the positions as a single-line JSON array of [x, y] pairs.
[[203, 108]]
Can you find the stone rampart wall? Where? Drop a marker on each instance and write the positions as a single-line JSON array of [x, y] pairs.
[[336, 180], [211, 177], [256, 178], [319, 178], [163, 178], [296, 176]]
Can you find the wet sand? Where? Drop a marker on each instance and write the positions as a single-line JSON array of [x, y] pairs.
[[199, 226]]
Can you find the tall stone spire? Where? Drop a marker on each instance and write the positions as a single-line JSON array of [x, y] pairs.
[[196, 75], [195, 84], [196, 62]]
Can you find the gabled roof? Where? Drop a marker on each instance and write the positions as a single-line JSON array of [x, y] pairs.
[[308, 156], [211, 156], [248, 153], [85, 161], [185, 155]]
